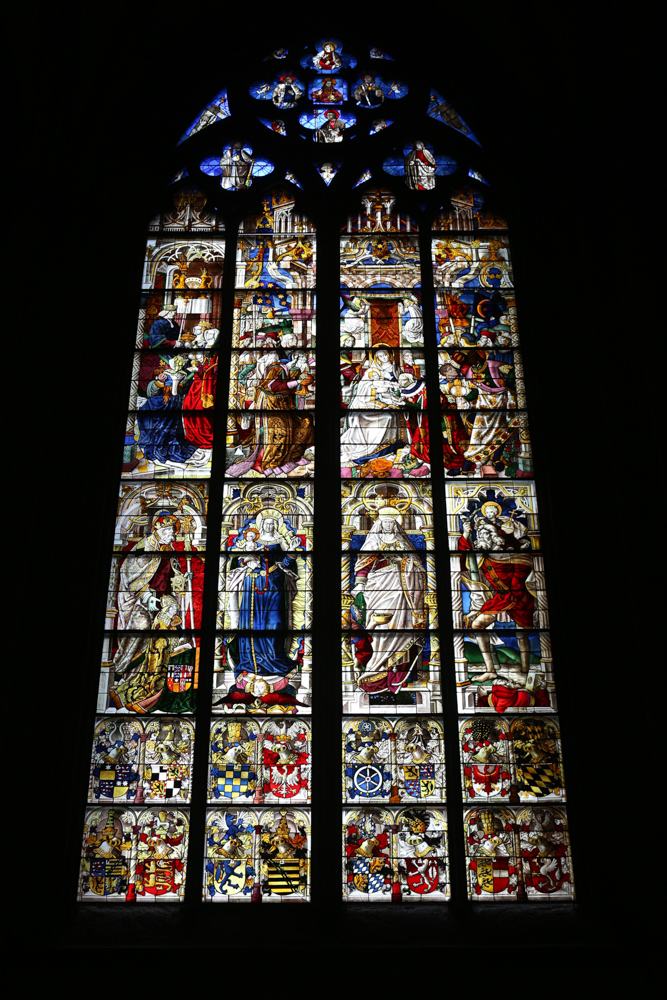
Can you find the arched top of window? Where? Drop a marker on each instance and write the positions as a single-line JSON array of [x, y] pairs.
[[325, 119]]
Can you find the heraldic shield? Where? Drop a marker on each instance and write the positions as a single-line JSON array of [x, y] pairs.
[[283, 848], [107, 849], [285, 759], [167, 781], [366, 780], [492, 874], [107, 876], [286, 782], [233, 773], [115, 782], [422, 874], [133, 856], [490, 846], [545, 853], [233, 782], [231, 877], [229, 870], [253, 855], [180, 677], [419, 780], [157, 877], [537, 751], [283, 875], [422, 851], [420, 757], [369, 865], [115, 768], [368, 874], [161, 847], [366, 748]]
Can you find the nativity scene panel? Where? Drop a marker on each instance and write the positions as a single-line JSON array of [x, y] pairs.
[[382, 379], [387, 260], [262, 379], [274, 319]]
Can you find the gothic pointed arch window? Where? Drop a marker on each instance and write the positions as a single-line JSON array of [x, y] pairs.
[[327, 385]]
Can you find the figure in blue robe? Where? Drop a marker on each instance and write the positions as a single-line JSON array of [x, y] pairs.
[[264, 604], [265, 583], [160, 420], [164, 332]]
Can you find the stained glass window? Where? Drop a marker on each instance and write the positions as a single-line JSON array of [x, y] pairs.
[[226, 639]]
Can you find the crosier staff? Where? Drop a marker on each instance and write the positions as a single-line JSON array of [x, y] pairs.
[[186, 597]]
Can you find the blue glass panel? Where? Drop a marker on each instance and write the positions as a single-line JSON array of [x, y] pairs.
[[213, 112]]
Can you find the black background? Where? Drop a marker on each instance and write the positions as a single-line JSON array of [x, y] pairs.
[[546, 93]]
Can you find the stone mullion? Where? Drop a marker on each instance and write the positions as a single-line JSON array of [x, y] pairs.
[[193, 890], [449, 717]]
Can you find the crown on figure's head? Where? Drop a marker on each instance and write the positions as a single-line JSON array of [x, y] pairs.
[[388, 512], [164, 518]]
